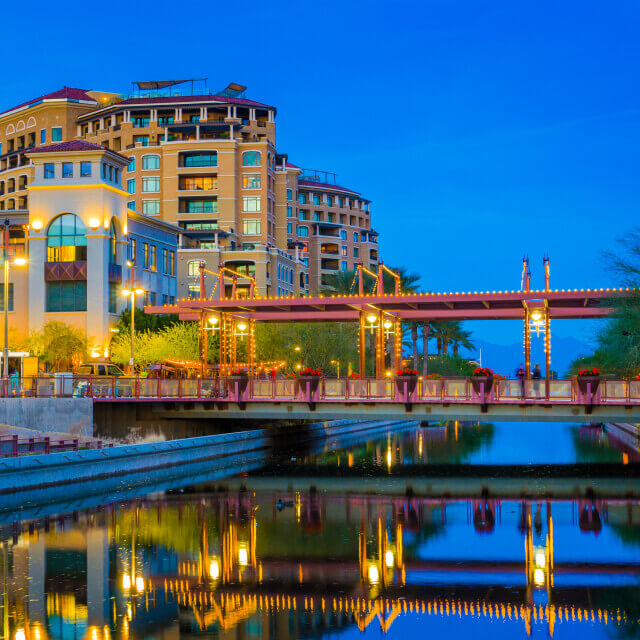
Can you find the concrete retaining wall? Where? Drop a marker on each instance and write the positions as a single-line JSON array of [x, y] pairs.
[[62, 415], [40, 471]]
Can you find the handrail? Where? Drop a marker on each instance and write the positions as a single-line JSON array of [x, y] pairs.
[[389, 389]]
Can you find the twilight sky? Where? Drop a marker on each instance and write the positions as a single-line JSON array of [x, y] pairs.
[[480, 130]]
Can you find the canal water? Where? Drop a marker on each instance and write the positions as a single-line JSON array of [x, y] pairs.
[[319, 543]]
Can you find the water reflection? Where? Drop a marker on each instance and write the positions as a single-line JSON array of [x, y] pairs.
[[291, 565]]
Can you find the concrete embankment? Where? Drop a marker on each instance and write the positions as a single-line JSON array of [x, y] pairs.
[[49, 415]]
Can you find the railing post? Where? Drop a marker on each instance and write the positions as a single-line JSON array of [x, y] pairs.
[[199, 388], [159, 388], [14, 448], [180, 387], [47, 444], [75, 444]]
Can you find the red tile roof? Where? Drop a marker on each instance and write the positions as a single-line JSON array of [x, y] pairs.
[[70, 145], [326, 185], [66, 93], [292, 166], [201, 98], [74, 145]]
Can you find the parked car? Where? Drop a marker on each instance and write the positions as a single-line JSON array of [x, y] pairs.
[[102, 383], [99, 369]]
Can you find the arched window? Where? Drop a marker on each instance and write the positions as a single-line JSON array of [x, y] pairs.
[[251, 159], [66, 239], [113, 244]]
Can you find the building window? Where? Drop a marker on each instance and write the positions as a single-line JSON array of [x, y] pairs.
[[341, 202], [56, 134], [150, 162], [132, 164], [330, 201], [133, 250], [303, 232], [151, 207], [140, 122], [289, 227], [317, 216], [66, 296], [131, 185], [113, 297], [165, 261], [302, 215], [143, 141], [145, 255], [43, 136], [344, 251], [66, 239], [343, 264], [10, 296], [193, 268], [363, 237], [113, 244], [251, 181], [150, 185], [131, 205], [355, 252], [202, 206], [172, 263], [208, 159], [316, 198], [302, 198], [49, 170], [251, 227], [199, 183], [251, 204], [85, 169], [355, 236], [343, 234], [153, 264], [251, 159], [289, 211]]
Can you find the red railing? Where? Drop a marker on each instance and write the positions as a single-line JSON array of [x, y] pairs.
[[14, 445], [243, 389]]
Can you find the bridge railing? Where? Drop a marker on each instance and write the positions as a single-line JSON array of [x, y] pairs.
[[450, 389]]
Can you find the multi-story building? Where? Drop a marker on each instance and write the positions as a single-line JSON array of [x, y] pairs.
[[205, 165]]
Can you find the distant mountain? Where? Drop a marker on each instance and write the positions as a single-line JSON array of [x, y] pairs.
[[506, 359]]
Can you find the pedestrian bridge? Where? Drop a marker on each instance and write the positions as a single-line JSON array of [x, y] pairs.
[[380, 398]]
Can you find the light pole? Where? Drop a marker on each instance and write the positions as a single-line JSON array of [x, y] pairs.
[[337, 363], [19, 262], [132, 288]]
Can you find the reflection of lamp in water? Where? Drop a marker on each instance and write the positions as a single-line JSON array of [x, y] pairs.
[[214, 570], [389, 458], [540, 559], [126, 582], [388, 559], [538, 577], [139, 584], [373, 574], [19, 634], [243, 556]]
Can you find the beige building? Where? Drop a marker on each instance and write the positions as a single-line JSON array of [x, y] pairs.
[[207, 164]]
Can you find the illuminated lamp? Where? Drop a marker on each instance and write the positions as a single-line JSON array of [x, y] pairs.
[[371, 318], [106, 223], [388, 559], [94, 223], [20, 262], [126, 292], [36, 225], [139, 291], [213, 320]]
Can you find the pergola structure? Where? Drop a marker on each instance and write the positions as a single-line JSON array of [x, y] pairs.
[[383, 313]]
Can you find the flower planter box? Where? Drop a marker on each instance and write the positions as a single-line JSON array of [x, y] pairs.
[[476, 385], [308, 387], [594, 381], [405, 388], [238, 387]]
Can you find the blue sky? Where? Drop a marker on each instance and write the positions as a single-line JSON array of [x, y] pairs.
[[480, 131]]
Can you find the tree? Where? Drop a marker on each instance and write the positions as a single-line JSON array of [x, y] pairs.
[[340, 283], [177, 341], [58, 344]]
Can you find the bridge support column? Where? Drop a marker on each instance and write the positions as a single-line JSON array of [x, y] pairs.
[[547, 350], [527, 344], [380, 346], [397, 344], [362, 346]]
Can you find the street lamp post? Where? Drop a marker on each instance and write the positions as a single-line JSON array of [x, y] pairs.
[[132, 287], [337, 363], [19, 262]]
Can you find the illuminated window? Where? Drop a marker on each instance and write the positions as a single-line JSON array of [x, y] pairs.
[[66, 239], [251, 204], [251, 227], [193, 268], [251, 181]]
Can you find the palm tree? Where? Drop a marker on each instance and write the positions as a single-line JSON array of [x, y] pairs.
[[462, 339], [340, 283], [425, 346]]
